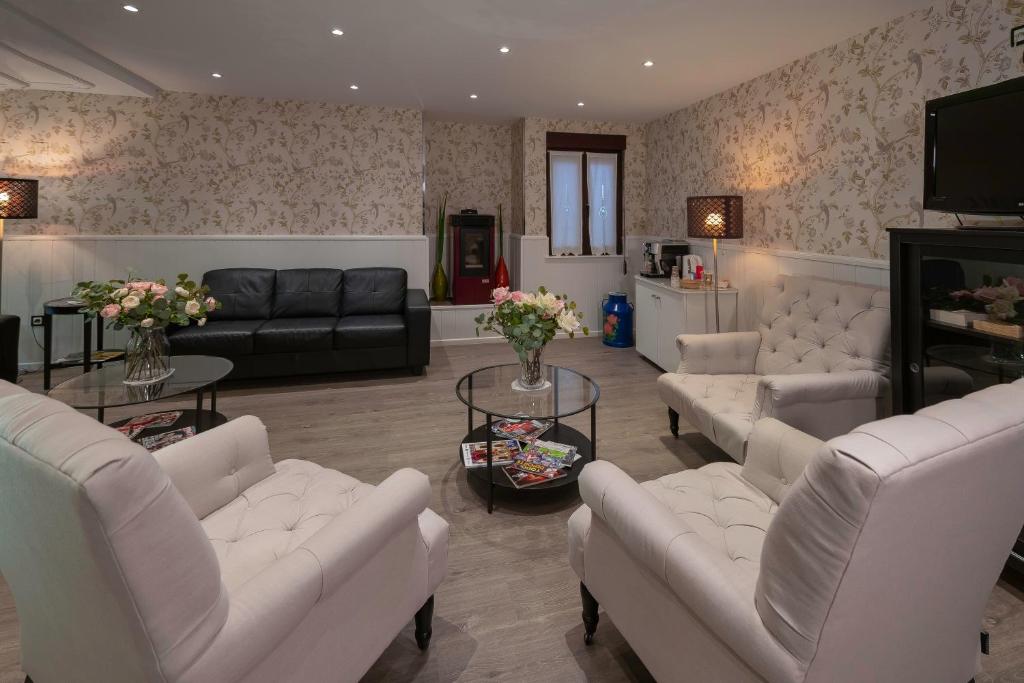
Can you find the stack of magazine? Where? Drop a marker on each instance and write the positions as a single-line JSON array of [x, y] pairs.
[[134, 427], [522, 456]]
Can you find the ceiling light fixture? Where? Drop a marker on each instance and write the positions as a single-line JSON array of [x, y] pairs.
[[579, 104], [648, 63], [473, 96], [337, 31], [131, 8], [504, 49], [216, 75], [353, 87]]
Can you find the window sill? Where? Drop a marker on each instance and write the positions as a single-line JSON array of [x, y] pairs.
[[583, 257]]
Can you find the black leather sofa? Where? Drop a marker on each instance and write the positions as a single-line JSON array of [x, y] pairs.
[[276, 323]]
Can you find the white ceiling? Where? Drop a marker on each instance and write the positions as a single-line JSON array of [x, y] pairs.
[[431, 54]]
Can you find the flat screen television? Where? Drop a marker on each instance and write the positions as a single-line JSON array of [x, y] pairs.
[[974, 151]]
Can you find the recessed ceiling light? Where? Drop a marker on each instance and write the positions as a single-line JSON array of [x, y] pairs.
[[648, 63], [216, 75], [337, 31], [353, 87], [579, 104], [131, 8], [473, 96], [504, 49]]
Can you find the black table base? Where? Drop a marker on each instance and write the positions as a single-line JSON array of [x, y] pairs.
[[202, 420]]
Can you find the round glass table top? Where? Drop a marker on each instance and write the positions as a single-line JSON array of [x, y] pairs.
[[489, 390], [105, 388]]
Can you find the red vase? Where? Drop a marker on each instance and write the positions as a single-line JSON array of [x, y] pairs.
[[500, 273]]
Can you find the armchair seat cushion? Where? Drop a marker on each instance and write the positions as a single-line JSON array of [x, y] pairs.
[[720, 406], [295, 335], [216, 338], [370, 331], [274, 517], [723, 508]]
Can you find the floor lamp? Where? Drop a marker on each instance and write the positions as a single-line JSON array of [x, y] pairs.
[[715, 218], [19, 198]]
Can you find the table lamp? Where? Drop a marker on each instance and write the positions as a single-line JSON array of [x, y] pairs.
[[717, 218], [19, 198]]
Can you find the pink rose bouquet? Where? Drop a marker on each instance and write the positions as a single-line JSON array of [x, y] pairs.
[[146, 303]]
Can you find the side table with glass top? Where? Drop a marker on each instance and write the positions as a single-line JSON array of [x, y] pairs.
[[489, 391], [105, 388]]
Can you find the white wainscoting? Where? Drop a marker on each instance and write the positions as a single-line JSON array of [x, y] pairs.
[[39, 268], [750, 268]]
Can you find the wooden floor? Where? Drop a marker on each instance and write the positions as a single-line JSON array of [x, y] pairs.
[[509, 609]]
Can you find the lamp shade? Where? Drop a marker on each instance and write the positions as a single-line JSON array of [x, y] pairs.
[[19, 198], [718, 217]]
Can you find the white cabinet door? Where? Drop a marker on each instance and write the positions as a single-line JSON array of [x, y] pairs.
[[646, 322], [671, 323]]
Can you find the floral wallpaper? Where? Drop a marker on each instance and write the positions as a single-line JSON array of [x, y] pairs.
[[827, 151], [518, 219], [196, 164], [472, 162], [535, 191]]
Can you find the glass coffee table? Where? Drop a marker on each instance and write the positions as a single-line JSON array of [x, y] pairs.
[[489, 391], [104, 388]]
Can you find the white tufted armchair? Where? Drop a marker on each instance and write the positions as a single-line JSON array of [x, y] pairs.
[[819, 362], [207, 562]]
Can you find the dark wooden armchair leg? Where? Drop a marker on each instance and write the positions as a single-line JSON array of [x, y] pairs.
[[590, 617], [424, 616], [28, 679], [673, 422]]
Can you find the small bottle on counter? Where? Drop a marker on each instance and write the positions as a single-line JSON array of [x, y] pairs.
[[674, 279]]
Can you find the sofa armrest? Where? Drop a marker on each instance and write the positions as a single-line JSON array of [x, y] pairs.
[[701, 577], [417, 328], [726, 353], [823, 404], [213, 468], [776, 456], [350, 540]]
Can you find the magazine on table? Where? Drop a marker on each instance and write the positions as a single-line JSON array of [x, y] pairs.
[[556, 454], [502, 453], [523, 429], [135, 425], [158, 441], [522, 480]]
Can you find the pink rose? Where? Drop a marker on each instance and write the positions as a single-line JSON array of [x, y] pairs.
[[158, 289], [211, 303], [516, 296], [110, 311], [142, 285], [500, 295]]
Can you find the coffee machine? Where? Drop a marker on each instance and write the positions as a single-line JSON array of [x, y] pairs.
[[659, 257]]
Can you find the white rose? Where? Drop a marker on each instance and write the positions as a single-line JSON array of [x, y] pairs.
[[201, 322], [181, 291], [121, 293], [131, 301], [192, 307], [138, 294], [146, 322], [567, 321]]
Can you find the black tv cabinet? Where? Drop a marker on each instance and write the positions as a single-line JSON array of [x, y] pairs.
[[934, 360]]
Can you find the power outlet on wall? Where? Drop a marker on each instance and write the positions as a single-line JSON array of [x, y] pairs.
[[37, 321], [1017, 36]]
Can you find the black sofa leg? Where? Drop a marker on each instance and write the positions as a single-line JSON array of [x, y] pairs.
[[416, 369], [423, 618], [590, 617], [673, 422], [28, 679]]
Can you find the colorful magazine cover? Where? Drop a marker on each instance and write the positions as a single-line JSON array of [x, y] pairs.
[[524, 430], [135, 425], [158, 441], [502, 453], [557, 454], [522, 480]]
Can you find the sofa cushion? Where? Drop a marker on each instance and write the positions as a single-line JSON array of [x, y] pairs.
[[721, 507], [292, 335], [246, 293], [217, 338], [275, 516], [720, 406], [308, 293], [369, 331], [373, 291]]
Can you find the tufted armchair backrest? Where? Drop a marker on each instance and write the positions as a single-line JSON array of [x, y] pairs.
[[106, 561], [883, 553], [811, 324]]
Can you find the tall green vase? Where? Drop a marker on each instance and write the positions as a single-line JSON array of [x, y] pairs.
[[439, 283]]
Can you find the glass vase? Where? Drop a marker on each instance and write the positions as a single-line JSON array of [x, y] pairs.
[[147, 358], [531, 376]]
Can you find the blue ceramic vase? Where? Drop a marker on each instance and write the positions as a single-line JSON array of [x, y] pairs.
[[618, 321]]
